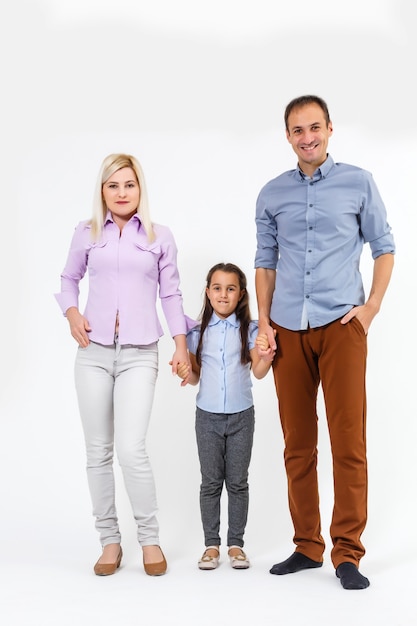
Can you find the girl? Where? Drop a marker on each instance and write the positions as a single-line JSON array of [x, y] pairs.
[[222, 353]]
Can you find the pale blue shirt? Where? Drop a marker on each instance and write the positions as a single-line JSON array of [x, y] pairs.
[[312, 232], [225, 384]]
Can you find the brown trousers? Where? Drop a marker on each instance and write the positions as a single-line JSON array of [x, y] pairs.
[[335, 356]]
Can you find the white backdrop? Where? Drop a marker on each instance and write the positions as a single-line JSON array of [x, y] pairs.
[[196, 90]]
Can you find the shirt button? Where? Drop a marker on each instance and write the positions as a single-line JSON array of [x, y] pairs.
[[308, 273], [310, 205], [310, 228], [307, 297]]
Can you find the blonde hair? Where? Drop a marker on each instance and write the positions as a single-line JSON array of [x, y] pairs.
[[110, 165]]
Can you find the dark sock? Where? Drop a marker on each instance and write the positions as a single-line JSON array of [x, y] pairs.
[[350, 577], [295, 563]]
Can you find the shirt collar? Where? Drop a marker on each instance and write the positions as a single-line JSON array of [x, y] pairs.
[[109, 218], [321, 172], [232, 320]]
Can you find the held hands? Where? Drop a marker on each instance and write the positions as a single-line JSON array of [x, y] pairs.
[[79, 326], [180, 357], [262, 342], [266, 345], [183, 371]]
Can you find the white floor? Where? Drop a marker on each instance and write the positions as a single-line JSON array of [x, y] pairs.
[[56, 586]]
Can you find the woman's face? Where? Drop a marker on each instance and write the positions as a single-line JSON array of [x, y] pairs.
[[121, 193]]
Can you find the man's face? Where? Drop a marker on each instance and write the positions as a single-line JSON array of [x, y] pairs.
[[309, 134]]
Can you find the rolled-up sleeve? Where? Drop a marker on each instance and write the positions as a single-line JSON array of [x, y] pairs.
[[266, 234], [373, 219]]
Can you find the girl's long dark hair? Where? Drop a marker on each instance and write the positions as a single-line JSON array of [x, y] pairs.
[[242, 310]]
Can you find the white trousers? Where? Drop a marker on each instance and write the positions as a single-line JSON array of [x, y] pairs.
[[115, 388]]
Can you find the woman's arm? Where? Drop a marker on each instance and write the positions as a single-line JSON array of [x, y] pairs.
[[180, 356]]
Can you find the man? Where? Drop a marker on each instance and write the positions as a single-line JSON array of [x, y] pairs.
[[312, 223]]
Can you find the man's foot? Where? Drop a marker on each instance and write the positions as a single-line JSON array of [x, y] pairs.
[[295, 563], [350, 577]]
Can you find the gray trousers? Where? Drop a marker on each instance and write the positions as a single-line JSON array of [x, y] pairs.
[[224, 444], [115, 387]]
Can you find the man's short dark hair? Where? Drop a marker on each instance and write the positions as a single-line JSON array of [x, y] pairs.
[[302, 101]]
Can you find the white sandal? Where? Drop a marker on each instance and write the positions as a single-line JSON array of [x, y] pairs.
[[240, 560], [207, 561]]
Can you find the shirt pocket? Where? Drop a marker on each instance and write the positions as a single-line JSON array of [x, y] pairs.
[[97, 255], [98, 244], [148, 259], [155, 248]]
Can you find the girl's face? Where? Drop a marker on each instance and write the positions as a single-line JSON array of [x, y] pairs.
[[224, 293]]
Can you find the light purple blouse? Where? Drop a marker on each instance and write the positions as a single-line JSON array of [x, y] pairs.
[[125, 272]]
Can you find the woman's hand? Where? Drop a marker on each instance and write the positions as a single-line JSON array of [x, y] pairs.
[[79, 326], [180, 356], [184, 363]]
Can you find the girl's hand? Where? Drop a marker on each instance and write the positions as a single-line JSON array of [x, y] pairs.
[[265, 351], [183, 370], [262, 341]]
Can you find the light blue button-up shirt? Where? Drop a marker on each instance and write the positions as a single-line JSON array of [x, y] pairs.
[[312, 231], [225, 384]]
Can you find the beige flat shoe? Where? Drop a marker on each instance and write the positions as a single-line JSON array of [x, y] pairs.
[[208, 561], [238, 558]]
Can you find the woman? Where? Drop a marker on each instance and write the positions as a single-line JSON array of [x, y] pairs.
[[128, 259]]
